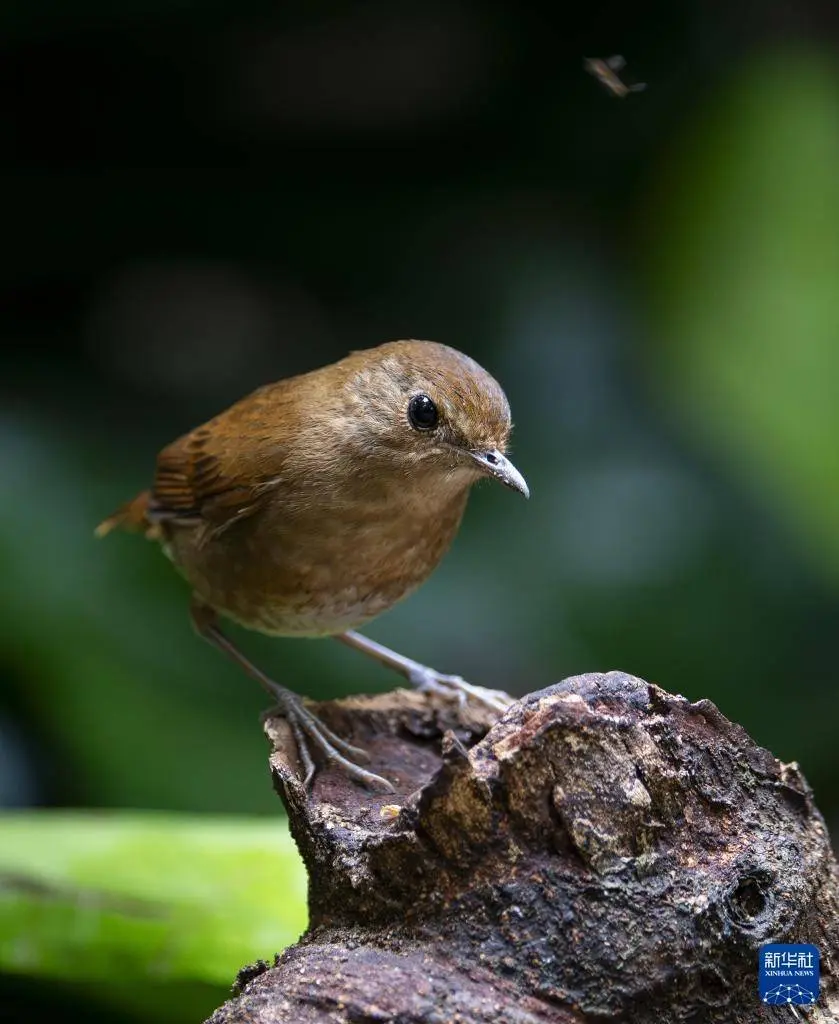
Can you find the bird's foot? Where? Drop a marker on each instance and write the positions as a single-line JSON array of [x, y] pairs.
[[426, 680], [309, 730]]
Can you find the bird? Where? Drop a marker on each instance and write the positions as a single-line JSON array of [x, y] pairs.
[[317, 502], [605, 70]]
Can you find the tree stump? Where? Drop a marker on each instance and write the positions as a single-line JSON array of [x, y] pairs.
[[604, 851]]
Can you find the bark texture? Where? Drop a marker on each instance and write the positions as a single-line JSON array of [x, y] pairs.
[[605, 851]]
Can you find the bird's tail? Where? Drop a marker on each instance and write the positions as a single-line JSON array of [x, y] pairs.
[[132, 516]]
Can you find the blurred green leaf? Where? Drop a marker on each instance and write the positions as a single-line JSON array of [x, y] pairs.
[[745, 271], [150, 897]]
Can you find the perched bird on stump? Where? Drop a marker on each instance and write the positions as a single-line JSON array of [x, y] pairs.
[[316, 503]]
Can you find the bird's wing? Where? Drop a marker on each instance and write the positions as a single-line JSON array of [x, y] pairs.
[[223, 471]]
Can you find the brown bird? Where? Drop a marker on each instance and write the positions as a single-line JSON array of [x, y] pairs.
[[316, 503]]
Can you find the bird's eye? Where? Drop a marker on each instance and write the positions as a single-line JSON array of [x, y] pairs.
[[422, 413]]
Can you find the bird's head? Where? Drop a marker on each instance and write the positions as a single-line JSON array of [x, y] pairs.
[[428, 410]]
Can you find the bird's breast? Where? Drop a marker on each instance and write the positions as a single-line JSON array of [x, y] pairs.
[[322, 572]]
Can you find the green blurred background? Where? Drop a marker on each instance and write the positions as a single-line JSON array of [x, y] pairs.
[[202, 197]]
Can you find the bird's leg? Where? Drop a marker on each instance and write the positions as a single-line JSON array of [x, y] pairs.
[[306, 727], [422, 677]]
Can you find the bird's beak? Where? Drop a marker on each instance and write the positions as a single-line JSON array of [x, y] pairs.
[[493, 463]]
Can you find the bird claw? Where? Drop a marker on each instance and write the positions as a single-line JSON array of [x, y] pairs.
[[426, 680], [308, 729]]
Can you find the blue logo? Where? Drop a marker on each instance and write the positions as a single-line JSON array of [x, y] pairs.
[[788, 974]]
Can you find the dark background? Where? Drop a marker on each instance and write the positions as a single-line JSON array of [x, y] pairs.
[[202, 197]]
